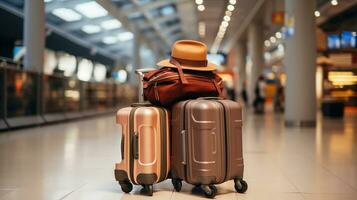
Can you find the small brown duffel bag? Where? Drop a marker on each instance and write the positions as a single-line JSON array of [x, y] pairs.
[[166, 86]]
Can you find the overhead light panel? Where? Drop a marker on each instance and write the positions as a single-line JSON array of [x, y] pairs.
[[91, 9], [167, 10], [110, 40], [90, 29], [111, 24], [66, 14], [125, 36], [202, 29]]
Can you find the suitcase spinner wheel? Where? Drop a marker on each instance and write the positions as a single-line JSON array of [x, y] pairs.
[[240, 185], [148, 190], [210, 191], [126, 186], [177, 183]]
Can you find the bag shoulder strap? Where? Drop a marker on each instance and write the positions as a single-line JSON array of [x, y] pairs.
[[180, 71]]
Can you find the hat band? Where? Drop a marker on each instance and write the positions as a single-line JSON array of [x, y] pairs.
[[194, 63]]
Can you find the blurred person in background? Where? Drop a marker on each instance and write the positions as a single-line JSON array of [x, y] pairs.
[[259, 100], [279, 96], [244, 93]]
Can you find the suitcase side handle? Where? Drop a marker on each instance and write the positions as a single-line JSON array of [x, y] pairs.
[[136, 146], [122, 147], [183, 137]]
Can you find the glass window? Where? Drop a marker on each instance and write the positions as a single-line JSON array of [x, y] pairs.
[[53, 94], [21, 93]]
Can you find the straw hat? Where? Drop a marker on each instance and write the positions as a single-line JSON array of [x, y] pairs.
[[190, 54]]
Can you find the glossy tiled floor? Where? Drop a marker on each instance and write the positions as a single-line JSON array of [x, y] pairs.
[[75, 161]]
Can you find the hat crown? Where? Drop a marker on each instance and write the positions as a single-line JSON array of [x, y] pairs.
[[189, 50]]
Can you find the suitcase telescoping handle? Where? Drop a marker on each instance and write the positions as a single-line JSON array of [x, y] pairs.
[[210, 98], [141, 73]]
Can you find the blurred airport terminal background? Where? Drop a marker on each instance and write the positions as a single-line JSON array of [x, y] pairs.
[[62, 60]]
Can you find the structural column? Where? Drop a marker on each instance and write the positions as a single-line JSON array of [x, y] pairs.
[[241, 64], [34, 35], [300, 59], [255, 51], [136, 58]]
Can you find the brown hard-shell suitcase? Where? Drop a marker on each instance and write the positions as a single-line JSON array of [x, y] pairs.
[[207, 144], [144, 147]]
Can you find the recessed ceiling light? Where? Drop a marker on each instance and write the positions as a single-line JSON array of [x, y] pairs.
[[317, 13], [125, 36], [199, 2], [111, 24], [66, 14], [201, 8], [230, 7], [334, 2], [90, 29], [47, 1], [267, 43], [91, 9], [226, 18], [110, 40], [233, 2], [222, 27], [278, 35], [272, 39], [228, 13], [224, 24]]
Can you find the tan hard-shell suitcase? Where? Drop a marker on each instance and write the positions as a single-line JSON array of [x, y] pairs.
[[207, 144], [145, 146]]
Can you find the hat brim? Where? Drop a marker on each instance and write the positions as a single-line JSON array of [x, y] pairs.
[[210, 66]]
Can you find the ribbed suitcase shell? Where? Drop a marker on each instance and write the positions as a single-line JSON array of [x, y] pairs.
[[207, 141], [145, 145]]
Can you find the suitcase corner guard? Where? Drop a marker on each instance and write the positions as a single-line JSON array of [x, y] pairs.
[[120, 175], [146, 179]]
